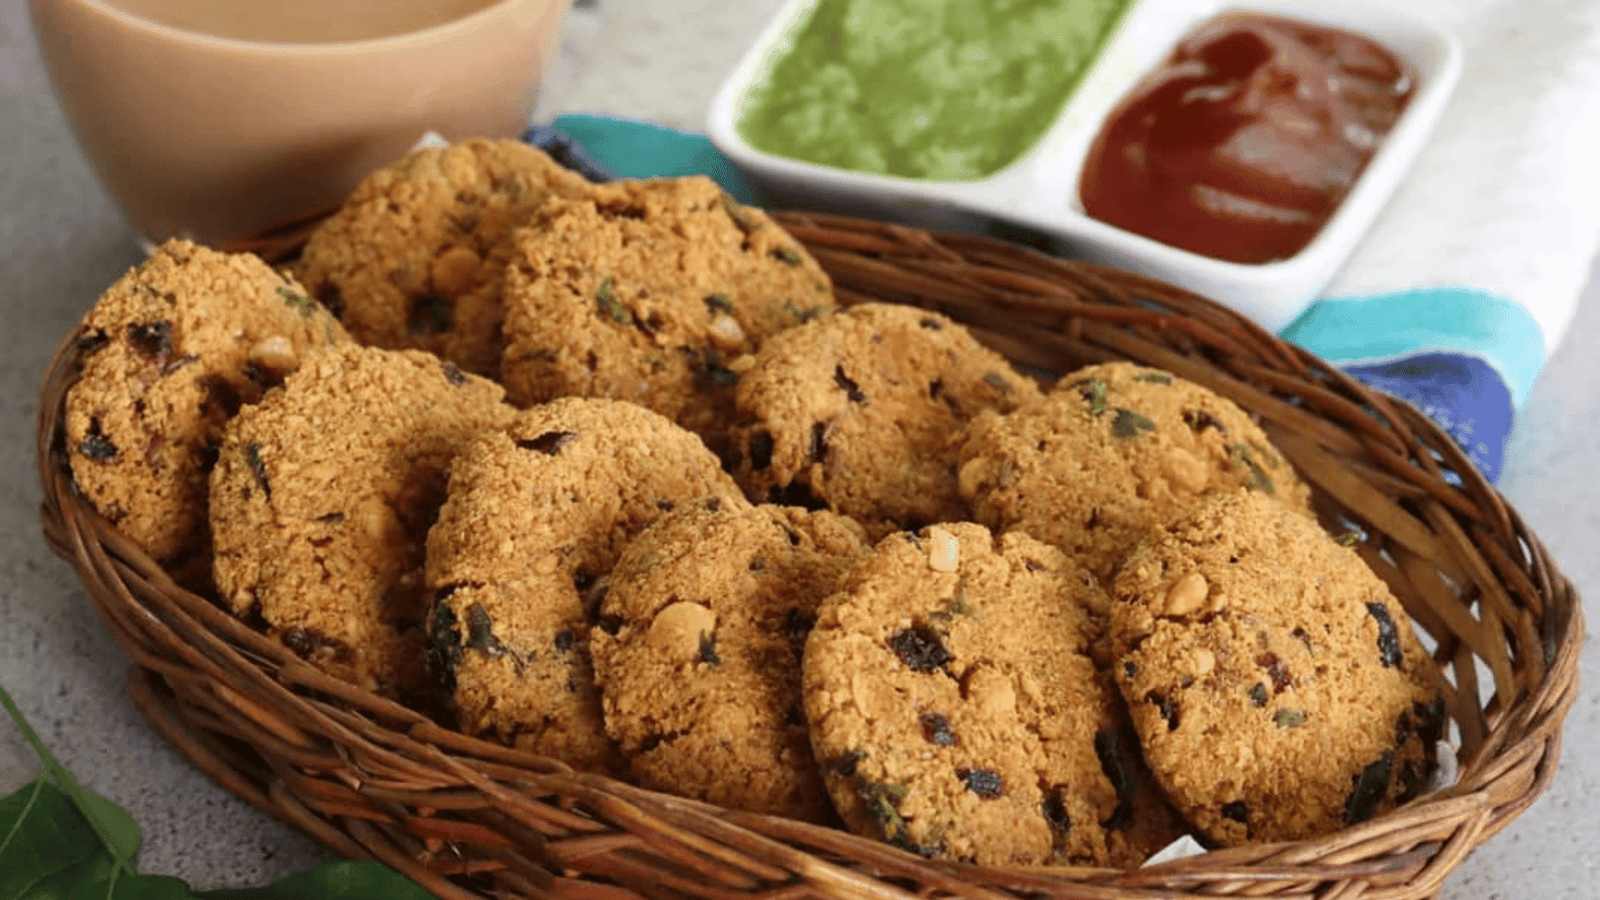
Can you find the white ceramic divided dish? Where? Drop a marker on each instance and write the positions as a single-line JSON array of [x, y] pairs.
[[1039, 194]]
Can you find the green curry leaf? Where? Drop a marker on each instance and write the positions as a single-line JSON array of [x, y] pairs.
[[58, 841], [117, 831], [43, 836], [100, 878]]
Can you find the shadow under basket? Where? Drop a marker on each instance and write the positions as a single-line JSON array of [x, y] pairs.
[[466, 818]]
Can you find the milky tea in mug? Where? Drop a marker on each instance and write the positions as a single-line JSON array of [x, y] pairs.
[[217, 119], [300, 21]]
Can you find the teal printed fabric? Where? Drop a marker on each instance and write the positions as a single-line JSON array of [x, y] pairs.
[[1467, 358], [633, 149]]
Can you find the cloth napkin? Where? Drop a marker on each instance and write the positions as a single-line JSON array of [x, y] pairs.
[[1470, 276]]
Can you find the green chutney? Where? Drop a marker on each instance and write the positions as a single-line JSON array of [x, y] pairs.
[[948, 90]]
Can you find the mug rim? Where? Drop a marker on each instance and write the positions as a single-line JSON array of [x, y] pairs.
[[299, 48]]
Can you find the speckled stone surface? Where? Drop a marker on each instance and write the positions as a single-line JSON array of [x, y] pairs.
[[61, 242]]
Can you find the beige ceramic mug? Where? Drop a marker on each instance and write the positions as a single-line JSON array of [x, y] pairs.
[[215, 119]]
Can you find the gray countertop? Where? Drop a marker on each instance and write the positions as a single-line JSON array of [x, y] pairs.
[[61, 243]]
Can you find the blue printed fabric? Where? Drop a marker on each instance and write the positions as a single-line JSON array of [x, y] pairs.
[[1465, 358], [1464, 394]]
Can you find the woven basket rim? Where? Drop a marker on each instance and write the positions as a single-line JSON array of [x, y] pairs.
[[465, 817]]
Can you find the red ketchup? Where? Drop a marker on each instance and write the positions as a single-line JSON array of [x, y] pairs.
[[1244, 142]]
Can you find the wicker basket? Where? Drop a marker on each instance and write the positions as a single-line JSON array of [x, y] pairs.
[[465, 818]]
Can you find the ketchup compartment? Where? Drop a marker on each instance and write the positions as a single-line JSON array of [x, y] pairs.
[[1246, 139]]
